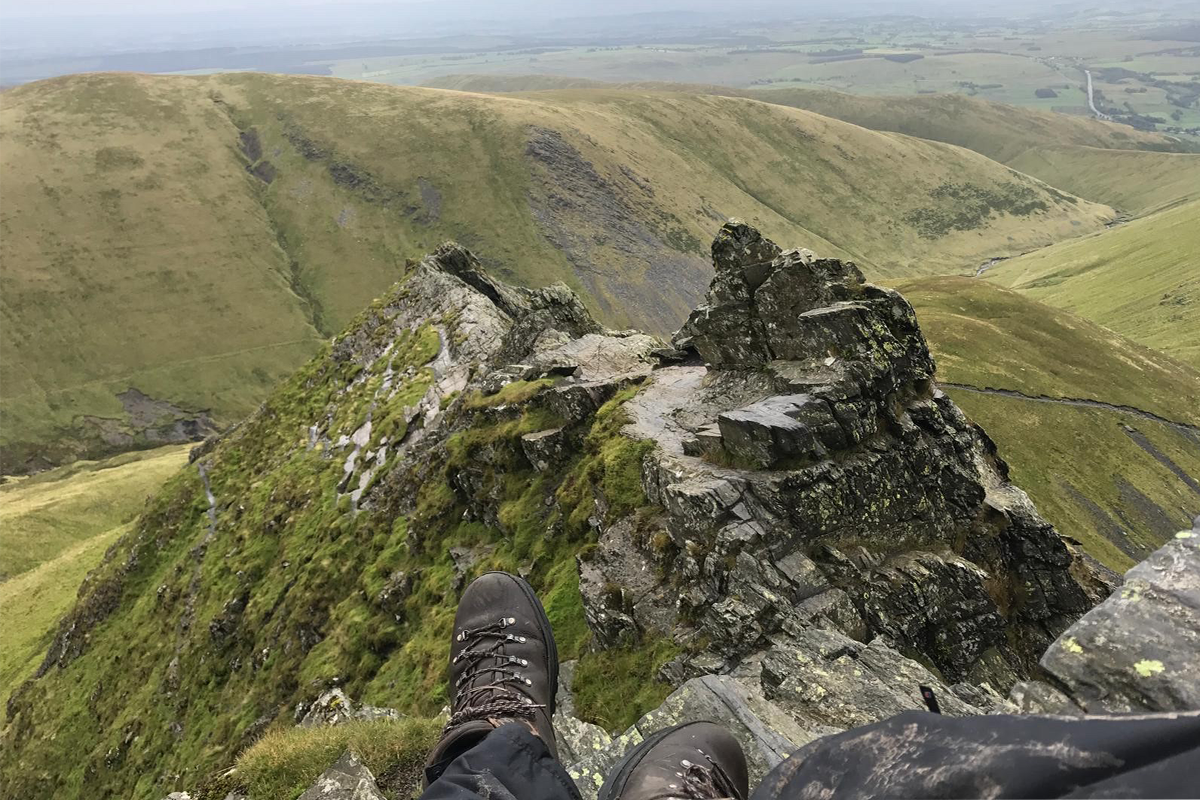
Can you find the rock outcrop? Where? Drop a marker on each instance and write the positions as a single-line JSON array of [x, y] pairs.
[[812, 476], [1139, 650], [347, 779], [782, 492]]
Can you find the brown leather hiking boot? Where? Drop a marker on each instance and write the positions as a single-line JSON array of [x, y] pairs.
[[692, 761], [503, 666]]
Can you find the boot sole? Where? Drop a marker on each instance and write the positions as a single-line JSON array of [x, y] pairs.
[[619, 776], [547, 632]]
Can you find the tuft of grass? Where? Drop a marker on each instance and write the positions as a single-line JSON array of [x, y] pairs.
[[285, 762], [614, 688]]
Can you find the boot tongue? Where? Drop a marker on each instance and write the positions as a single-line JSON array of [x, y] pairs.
[[454, 743]]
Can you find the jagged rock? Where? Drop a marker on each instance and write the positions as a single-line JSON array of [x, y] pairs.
[[1139, 650], [596, 357], [575, 739], [395, 591], [1038, 697], [624, 596], [464, 558], [348, 779], [812, 477], [333, 707], [823, 677], [545, 449]]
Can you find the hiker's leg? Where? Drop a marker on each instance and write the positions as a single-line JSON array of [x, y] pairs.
[[499, 742], [508, 763], [918, 754]]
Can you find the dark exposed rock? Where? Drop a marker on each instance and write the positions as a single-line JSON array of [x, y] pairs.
[[1139, 650], [545, 449], [814, 478]]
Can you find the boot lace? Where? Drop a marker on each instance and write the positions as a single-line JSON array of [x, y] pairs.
[[701, 782], [489, 687]]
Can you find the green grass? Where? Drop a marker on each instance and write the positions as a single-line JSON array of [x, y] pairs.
[[1134, 182], [44, 516], [285, 763], [615, 688], [207, 635], [1059, 455], [129, 212], [1138, 279], [53, 529], [985, 336]]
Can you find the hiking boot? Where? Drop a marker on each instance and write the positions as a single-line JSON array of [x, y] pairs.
[[693, 761], [503, 666]]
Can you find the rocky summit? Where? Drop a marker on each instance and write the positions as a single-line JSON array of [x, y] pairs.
[[775, 519]]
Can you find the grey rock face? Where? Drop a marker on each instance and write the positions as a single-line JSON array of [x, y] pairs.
[[824, 677], [812, 477], [1139, 650], [766, 734], [334, 707], [348, 779]]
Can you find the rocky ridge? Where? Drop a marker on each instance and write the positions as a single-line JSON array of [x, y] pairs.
[[781, 493]]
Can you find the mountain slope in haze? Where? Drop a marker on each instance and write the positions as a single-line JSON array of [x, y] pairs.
[[1116, 480], [1141, 279], [1136, 171], [172, 245]]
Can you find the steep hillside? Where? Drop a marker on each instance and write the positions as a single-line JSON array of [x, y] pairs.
[[461, 424], [173, 245], [1118, 471], [1000, 132], [54, 528], [1139, 279], [1134, 182]]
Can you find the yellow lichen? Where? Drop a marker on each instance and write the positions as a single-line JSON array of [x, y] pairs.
[[1072, 646], [1147, 667]]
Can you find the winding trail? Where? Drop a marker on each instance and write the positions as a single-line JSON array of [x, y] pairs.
[[1192, 431]]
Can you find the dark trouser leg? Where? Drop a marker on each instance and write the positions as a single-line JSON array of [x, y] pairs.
[[917, 754], [510, 763]]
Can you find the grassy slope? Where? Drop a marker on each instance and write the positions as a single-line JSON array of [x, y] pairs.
[[138, 251], [998, 131], [135, 253], [1102, 161], [986, 336], [1135, 182], [53, 529], [211, 630], [1139, 279]]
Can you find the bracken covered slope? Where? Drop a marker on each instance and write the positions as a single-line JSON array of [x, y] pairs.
[[782, 486], [174, 246]]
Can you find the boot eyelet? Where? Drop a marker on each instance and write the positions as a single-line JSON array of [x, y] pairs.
[[528, 682], [686, 764], [524, 662], [512, 620], [521, 639]]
